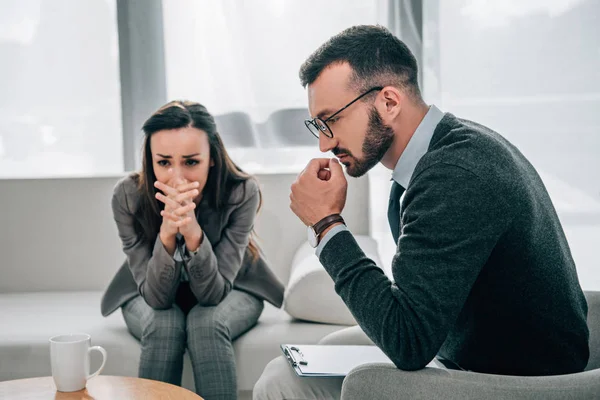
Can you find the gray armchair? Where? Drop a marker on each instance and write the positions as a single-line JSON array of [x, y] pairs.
[[385, 382]]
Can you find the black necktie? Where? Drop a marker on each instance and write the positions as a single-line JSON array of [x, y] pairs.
[[394, 210]]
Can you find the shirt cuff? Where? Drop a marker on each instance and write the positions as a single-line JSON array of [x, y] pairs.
[[332, 232]]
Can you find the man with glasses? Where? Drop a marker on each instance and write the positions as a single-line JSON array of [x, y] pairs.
[[483, 279], [318, 126]]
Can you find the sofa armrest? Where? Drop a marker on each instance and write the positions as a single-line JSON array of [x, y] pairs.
[[386, 382]]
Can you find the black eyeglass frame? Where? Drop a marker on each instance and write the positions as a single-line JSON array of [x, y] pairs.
[[325, 128]]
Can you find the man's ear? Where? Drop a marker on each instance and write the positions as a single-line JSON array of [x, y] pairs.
[[389, 103]]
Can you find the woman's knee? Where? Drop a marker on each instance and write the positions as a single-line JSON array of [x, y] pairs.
[[164, 324], [206, 322], [237, 313]]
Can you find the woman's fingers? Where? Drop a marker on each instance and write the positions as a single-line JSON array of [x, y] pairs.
[[177, 221], [174, 210], [176, 214], [181, 192], [169, 215], [185, 209], [189, 195], [187, 187], [183, 222], [168, 201], [168, 190]]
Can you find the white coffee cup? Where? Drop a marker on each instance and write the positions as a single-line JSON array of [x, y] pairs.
[[70, 360]]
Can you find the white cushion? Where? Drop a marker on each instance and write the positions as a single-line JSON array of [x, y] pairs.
[[310, 294]]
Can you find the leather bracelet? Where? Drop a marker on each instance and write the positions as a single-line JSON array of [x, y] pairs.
[[329, 220]]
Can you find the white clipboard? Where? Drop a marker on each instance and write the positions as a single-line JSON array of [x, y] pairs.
[[330, 360]]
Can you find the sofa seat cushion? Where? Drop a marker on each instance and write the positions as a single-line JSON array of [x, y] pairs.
[[30, 319]]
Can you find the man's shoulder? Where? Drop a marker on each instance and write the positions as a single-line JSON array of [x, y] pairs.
[[465, 154], [468, 145]]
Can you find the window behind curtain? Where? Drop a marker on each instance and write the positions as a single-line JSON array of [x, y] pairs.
[[60, 98], [531, 71]]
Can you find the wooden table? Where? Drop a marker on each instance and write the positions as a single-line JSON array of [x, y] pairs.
[[98, 388]]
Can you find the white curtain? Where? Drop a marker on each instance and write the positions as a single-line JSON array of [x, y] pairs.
[[244, 55]]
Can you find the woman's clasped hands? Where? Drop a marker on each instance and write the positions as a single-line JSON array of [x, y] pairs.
[[178, 215]]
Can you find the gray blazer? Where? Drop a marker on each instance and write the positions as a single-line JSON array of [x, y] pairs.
[[223, 260]]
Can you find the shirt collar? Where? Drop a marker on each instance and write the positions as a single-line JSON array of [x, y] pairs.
[[417, 146]]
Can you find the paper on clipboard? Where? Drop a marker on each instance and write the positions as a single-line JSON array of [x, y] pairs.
[[330, 360]]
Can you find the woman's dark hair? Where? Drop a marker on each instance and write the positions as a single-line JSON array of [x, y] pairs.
[[376, 56], [223, 176]]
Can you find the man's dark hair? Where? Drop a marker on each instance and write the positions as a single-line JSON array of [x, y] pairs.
[[376, 56]]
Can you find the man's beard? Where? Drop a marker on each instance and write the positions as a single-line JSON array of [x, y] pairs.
[[378, 140]]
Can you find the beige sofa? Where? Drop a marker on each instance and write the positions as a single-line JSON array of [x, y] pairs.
[[60, 248]]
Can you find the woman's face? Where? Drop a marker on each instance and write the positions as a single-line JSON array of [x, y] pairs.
[[181, 155]]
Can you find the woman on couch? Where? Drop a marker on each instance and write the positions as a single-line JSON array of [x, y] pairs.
[[193, 278]]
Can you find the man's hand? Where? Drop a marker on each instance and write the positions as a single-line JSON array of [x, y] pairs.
[[319, 191]]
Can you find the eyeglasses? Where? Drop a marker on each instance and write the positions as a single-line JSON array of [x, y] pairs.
[[316, 126]]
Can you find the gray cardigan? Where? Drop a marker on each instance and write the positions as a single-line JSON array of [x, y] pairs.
[[483, 274], [223, 260]]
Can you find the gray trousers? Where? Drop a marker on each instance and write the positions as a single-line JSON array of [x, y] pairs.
[[279, 381], [206, 332]]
